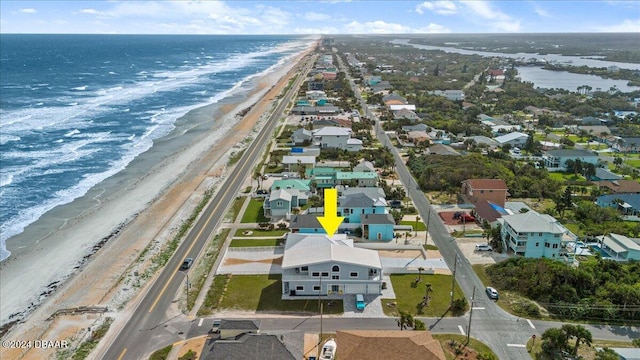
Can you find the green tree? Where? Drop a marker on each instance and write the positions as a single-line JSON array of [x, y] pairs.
[[606, 354], [580, 333], [405, 321], [419, 325], [554, 340]]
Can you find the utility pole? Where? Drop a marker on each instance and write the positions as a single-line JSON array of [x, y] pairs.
[[471, 314], [453, 280], [186, 273], [426, 235]]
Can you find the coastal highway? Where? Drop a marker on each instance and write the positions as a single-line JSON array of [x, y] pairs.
[[142, 329]]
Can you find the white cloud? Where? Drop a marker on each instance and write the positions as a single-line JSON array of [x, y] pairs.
[[376, 27], [28, 11], [432, 29], [314, 16], [444, 7], [540, 11], [625, 26], [318, 30], [498, 20], [90, 11]]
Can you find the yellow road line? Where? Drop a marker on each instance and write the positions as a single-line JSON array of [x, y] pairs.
[[124, 351]]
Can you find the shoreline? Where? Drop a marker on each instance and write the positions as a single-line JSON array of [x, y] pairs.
[[172, 170]]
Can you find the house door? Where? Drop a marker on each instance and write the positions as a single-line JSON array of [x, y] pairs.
[[379, 236], [335, 289]]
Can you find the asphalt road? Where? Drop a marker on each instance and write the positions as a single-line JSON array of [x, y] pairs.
[[504, 333], [149, 324]]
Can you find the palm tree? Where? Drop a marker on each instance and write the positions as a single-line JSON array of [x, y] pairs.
[[428, 291], [420, 270], [257, 175], [405, 321]]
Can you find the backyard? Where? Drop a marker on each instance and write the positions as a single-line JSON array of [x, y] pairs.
[[254, 212]]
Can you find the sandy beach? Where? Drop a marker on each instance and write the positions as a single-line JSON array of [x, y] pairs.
[[86, 253]]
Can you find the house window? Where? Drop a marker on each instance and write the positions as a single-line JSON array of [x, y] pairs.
[[335, 277], [335, 268], [353, 274], [555, 246], [315, 274], [325, 274], [304, 268], [537, 244], [481, 191], [379, 236], [335, 288], [316, 287], [539, 234], [299, 288], [546, 245], [278, 203]]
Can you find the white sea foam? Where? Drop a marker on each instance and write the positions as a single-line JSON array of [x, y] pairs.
[[80, 88], [78, 118], [5, 138]]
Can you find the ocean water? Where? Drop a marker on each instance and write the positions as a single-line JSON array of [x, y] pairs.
[[76, 109]]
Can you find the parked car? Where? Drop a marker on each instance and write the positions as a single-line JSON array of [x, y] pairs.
[[492, 293], [186, 264], [360, 304], [466, 218], [484, 247], [215, 328]]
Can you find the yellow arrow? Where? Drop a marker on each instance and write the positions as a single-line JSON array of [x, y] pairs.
[[330, 221]]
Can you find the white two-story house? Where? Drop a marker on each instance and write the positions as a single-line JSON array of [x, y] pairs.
[[315, 265]]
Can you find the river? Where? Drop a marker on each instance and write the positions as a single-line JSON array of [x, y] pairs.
[[547, 78]]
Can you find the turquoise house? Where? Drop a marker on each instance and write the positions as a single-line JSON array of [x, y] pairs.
[[353, 206], [306, 224], [377, 227]]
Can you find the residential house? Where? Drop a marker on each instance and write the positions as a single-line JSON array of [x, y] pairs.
[[620, 247], [533, 235], [301, 136], [600, 132], [304, 110], [286, 195], [278, 204], [483, 140], [604, 174], [453, 95], [418, 137], [388, 345], [626, 204], [381, 87], [248, 347], [329, 75], [314, 265], [372, 80], [316, 85], [619, 186], [405, 114], [416, 127], [556, 160], [354, 144], [292, 162], [322, 177], [439, 136], [377, 227], [352, 205], [288, 184], [399, 107], [328, 110], [515, 139], [306, 224], [364, 166], [591, 120], [441, 149], [489, 211], [493, 190], [357, 178], [626, 145], [394, 98], [332, 137]]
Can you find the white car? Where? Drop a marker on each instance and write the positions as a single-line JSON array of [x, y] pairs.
[[492, 293], [484, 247]]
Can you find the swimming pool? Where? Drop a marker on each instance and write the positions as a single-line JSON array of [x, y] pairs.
[[597, 248]]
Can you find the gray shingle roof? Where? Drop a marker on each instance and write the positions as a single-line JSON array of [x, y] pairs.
[[385, 219], [571, 153], [305, 221], [532, 221], [356, 200], [249, 347]]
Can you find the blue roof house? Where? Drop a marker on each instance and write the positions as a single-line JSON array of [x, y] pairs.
[[626, 204]]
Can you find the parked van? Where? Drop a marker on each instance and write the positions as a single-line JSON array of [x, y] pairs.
[[360, 304]]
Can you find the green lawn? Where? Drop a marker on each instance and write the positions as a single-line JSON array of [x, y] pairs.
[[235, 208], [263, 293], [421, 225], [459, 340], [408, 297], [260, 233], [254, 242], [254, 213]]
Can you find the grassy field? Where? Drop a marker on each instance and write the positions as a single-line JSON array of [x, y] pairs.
[[450, 342], [409, 297], [263, 293], [254, 242], [585, 352], [421, 225], [235, 208], [254, 213], [260, 232], [214, 295]]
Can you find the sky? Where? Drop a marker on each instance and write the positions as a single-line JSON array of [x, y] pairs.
[[318, 17]]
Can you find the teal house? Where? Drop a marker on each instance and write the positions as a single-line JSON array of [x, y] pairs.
[[306, 224], [354, 205], [377, 227]]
